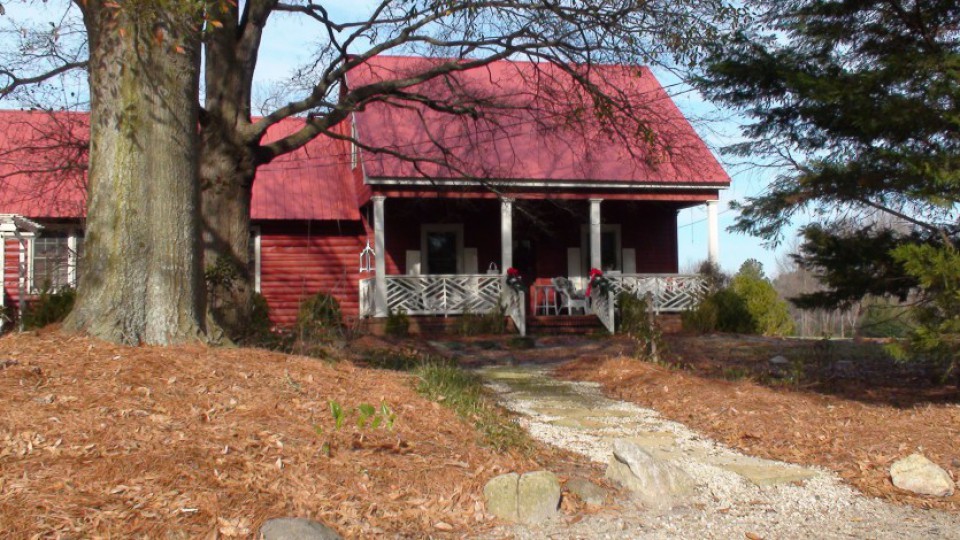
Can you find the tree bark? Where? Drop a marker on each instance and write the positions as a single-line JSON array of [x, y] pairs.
[[227, 160], [142, 280], [226, 174]]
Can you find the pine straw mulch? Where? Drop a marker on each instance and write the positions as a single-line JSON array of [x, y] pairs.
[[98, 440], [845, 426]]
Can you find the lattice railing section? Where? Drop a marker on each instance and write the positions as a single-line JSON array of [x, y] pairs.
[[671, 292], [443, 294], [368, 304]]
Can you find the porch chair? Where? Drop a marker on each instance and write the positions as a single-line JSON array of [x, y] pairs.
[[570, 298]]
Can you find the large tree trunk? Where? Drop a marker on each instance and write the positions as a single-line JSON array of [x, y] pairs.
[[227, 169], [142, 278], [226, 174], [227, 161]]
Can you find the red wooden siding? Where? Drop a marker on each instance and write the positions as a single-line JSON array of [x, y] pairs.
[[650, 229], [299, 259]]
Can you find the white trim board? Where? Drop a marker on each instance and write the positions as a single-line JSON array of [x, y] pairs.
[[501, 182]]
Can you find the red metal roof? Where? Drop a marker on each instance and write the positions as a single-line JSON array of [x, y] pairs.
[[313, 182], [543, 129], [43, 161]]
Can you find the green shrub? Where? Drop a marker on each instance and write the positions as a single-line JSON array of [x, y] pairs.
[[397, 325], [522, 342], [475, 324], [748, 305], [48, 308], [260, 332], [721, 311], [633, 314], [319, 318], [636, 321], [703, 319], [769, 313]]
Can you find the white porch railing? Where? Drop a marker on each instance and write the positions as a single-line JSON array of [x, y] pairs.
[[603, 306], [671, 292], [368, 303], [515, 304], [449, 294]]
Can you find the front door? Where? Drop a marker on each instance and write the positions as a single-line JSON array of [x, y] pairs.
[[525, 260], [442, 252]]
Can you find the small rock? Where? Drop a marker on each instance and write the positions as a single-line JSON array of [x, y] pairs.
[[296, 529], [500, 495], [538, 497], [587, 491], [658, 484], [918, 474], [779, 361]]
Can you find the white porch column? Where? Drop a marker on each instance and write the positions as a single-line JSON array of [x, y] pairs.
[[506, 234], [596, 259], [713, 233], [380, 250]]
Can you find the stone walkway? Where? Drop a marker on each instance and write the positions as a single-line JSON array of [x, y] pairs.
[[737, 496]]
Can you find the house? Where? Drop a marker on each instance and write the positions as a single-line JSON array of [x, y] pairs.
[[427, 212]]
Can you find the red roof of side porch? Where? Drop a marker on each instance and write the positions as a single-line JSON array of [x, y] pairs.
[[43, 161]]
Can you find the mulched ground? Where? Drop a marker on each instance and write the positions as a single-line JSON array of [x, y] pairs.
[[98, 440], [855, 420]]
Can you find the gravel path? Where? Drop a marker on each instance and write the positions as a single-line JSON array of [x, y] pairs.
[[737, 496]]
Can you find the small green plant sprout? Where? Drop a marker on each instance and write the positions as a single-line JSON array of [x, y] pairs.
[[365, 412], [389, 416], [338, 416]]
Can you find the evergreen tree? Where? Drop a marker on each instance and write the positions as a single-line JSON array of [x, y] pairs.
[[859, 102]]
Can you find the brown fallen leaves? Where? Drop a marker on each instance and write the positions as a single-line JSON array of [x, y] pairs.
[[98, 440]]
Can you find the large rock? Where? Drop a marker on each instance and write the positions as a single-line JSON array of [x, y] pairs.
[[658, 484], [538, 497], [531, 498], [500, 495], [918, 474], [296, 529]]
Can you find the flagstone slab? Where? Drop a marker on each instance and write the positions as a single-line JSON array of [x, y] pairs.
[[581, 412], [578, 423], [766, 473]]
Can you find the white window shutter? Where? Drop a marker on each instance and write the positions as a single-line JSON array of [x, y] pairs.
[[629, 261], [575, 267], [413, 262], [470, 264]]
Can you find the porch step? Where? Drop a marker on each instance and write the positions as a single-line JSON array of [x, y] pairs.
[[563, 324]]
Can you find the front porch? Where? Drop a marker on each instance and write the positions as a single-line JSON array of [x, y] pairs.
[[441, 257]]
